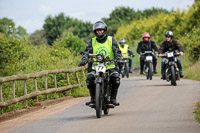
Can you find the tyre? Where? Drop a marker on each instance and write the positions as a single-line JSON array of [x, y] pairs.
[[147, 71], [150, 71], [127, 70], [105, 109], [173, 76], [98, 100]]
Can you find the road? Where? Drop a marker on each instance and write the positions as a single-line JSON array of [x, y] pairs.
[[146, 107]]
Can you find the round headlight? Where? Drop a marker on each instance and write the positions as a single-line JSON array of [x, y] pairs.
[[99, 58]]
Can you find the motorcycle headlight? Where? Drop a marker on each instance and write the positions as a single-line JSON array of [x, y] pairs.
[[99, 58]]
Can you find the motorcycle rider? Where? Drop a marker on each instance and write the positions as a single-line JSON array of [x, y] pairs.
[[125, 49], [102, 43], [170, 45], [147, 45]]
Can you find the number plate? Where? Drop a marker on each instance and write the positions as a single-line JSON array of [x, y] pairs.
[[171, 54], [125, 55], [101, 68], [148, 58]]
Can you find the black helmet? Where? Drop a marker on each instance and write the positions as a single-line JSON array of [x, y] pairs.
[[100, 25], [169, 34], [122, 41]]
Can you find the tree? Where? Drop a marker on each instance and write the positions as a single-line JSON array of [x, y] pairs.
[[7, 26], [21, 32], [38, 37], [54, 27], [125, 15]]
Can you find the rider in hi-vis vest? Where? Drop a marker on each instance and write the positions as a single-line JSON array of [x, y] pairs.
[[107, 45], [126, 52], [104, 48]]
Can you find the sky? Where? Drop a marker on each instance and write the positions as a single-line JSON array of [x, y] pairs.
[[31, 14]]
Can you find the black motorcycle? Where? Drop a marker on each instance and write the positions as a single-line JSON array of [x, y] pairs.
[[172, 72], [124, 65], [103, 86], [148, 64]]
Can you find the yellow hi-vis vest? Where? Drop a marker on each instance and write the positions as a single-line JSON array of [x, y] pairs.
[[124, 50], [104, 48]]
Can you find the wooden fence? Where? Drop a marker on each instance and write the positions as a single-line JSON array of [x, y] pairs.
[[34, 76]]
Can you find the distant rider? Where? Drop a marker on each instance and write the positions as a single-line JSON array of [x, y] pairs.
[[147, 45], [170, 45], [102, 43], [125, 50]]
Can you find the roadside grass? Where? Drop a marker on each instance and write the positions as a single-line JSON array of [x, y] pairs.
[[197, 111]]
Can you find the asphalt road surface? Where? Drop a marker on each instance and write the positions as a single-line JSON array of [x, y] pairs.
[[146, 107]]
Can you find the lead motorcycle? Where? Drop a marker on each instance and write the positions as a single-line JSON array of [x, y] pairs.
[[103, 86], [172, 72], [148, 64]]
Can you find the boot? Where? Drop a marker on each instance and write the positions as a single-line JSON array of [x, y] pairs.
[[181, 75], [113, 97], [92, 100], [163, 77], [155, 71], [130, 71]]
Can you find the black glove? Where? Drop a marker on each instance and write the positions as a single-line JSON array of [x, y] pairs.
[[133, 55], [83, 62]]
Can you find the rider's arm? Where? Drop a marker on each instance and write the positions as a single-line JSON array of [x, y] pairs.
[[130, 52], [162, 48], [139, 48], [178, 46], [115, 48], [154, 46]]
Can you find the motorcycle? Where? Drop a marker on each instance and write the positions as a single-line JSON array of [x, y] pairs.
[[124, 64], [148, 64], [103, 86], [172, 72]]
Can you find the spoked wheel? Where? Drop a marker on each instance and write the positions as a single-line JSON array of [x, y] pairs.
[[150, 71], [98, 100], [127, 70], [147, 71], [123, 71], [105, 109], [173, 76]]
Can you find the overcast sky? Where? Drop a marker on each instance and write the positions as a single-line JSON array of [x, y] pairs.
[[31, 13]]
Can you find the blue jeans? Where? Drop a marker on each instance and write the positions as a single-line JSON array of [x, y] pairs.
[[163, 66]]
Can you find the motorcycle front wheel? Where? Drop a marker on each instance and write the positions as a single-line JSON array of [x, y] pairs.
[[173, 76], [98, 100], [127, 70]]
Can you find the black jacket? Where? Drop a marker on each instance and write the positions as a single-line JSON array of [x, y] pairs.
[[170, 46], [89, 50], [146, 46]]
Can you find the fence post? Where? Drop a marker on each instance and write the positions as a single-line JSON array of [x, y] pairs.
[[77, 78], [67, 78], [54, 77], [45, 82], [35, 86], [1, 97], [1, 94], [13, 93], [25, 93], [84, 74]]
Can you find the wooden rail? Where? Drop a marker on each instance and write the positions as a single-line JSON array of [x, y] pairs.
[[36, 93]]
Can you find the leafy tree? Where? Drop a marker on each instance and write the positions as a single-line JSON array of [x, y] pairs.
[[38, 37], [54, 27], [72, 42], [21, 32], [12, 54], [7, 26], [125, 15]]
